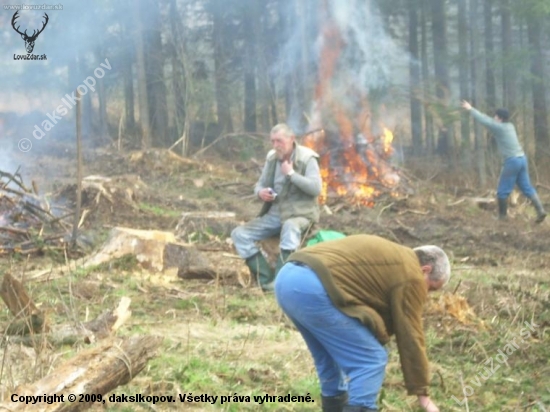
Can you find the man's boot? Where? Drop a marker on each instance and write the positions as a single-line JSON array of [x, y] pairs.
[[357, 409], [541, 213], [281, 260], [334, 403], [502, 208], [260, 269]]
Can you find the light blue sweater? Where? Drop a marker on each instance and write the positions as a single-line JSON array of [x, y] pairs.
[[504, 132]]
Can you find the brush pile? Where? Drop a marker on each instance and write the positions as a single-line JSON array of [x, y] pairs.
[[29, 223]]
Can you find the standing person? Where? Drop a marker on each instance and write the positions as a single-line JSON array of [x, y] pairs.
[[289, 186], [347, 297], [514, 169]]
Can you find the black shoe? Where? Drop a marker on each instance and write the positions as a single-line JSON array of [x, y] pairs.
[[334, 403], [502, 208], [541, 213], [349, 408]]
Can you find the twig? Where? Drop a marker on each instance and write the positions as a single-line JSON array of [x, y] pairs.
[[416, 212], [457, 286], [383, 209], [459, 201]]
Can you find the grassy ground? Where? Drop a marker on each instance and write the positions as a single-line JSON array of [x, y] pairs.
[[223, 340], [488, 332]]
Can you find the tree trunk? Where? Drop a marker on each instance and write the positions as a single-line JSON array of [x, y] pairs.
[[103, 126], [178, 72], [414, 80], [250, 44], [490, 82], [130, 119], [509, 73], [540, 112], [463, 79], [262, 69], [476, 82], [428, 117], [142, 80], [222, 45], [441, 71], [154, 67]]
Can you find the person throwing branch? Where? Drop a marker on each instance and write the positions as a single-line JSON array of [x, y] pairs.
[[347, 297], [514, 169]]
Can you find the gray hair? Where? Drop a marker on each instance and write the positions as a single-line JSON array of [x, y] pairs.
[[284, 128], [436, 258]]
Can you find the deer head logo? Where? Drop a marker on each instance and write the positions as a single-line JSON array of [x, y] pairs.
[[29, 40]]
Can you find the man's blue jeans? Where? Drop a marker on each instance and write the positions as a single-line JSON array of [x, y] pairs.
[[347, 356], [514, 171], [245, 236]]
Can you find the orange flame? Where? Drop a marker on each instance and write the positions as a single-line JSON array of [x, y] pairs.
[[353, 160]]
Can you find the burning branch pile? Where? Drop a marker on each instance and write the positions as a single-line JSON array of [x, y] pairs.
[[355, 168], [28, 222], [353, 143]]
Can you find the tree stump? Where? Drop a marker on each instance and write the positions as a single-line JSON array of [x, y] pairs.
[[154, 250]]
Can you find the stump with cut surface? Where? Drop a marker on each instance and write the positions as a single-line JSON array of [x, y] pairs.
[[154, 250], [93, 372]]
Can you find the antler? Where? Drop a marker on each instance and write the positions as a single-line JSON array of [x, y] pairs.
[[34, 36], [34, 33], [15, 16]]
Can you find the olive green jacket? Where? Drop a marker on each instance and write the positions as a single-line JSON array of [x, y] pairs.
[[292, 200], [381, 284]]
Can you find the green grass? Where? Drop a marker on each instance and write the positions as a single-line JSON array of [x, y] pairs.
[[226, 341], [158, 210]]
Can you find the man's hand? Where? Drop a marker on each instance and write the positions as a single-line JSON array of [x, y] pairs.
[[286, 168], [427, 404], [466, 105], [267, 194]]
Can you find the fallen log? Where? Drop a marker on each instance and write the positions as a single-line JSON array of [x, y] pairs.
[[93, 372], [28, 329]]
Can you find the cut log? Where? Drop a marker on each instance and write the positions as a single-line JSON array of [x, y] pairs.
[[154, 250], [95, 371], [68, 334], [199, 226]]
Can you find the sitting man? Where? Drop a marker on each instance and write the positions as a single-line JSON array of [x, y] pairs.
[[289, 186]]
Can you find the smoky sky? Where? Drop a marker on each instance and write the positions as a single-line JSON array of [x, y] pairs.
[[370, 61], [76, 39]]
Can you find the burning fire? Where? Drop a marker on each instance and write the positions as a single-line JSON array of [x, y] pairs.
[[353, 157], [354, 167]]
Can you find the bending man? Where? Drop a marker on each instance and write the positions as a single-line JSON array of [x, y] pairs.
[[347, 297]]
